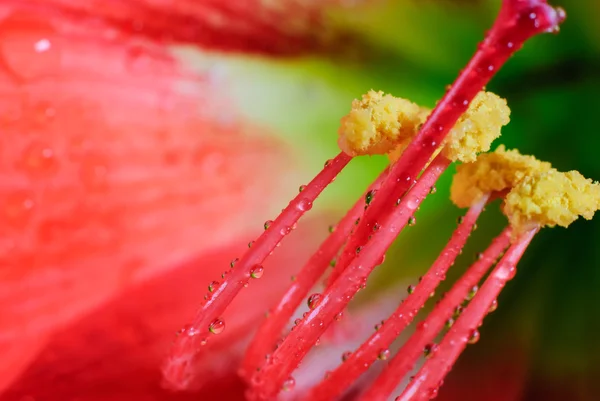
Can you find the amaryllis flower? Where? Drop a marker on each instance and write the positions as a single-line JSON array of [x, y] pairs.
[[133, 179]]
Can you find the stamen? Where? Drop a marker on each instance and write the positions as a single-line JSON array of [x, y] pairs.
[[267, 383], [179, 364], [427, 382], [382, 220], [476, 129], [360, 360], [516, 23], [428, 330], [270, 331]]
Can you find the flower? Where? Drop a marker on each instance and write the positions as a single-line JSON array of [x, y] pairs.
[[204, 354]]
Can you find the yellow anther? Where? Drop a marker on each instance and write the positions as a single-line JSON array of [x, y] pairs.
[[377, 124], [551, 198], [492, 172], [477, 128]]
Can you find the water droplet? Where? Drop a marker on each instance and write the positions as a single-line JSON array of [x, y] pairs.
[[331, 228], [478, 256], [313, 301], [412, 221], [410, 289], [429, 350], [297, 322], [474, 337], [332, 262], [460, 219], [472, 293], [474, 227], [301, 188], [268, 224], [493, 306], [213, 286], [224, 274], [233, 262], [457, 311], [432, 190], [304, 205], [357, 221], [29, 47], [383, 354], [449, 323], [38, 159], [346, 355], [217, 326], [328, 162], [250, 244], [358, 249], [285, 230], [369, 196], [379, 325], [288, 384], [18, 207], [338, 316], [93, 173], [256, 271], [398, 201]]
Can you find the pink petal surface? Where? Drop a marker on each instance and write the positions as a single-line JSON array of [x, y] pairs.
[[115, 165], [115, 352], [272, 27]]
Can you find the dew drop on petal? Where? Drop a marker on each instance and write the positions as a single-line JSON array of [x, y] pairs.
[[412, 221], [268, 224], [217, 326], [346, 355], [93, 173], [18, 207], [410, 289], [38, 160], [29, 47], [233, 262], [301, 188]]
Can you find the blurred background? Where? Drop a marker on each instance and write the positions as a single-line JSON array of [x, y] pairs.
[[413, 49]]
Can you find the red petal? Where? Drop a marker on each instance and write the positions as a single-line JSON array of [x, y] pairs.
[[114, 166], [270, 27], [115, 353]]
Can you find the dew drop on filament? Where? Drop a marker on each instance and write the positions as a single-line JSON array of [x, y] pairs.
[[217, 326], [256, 271], [313, 301]]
